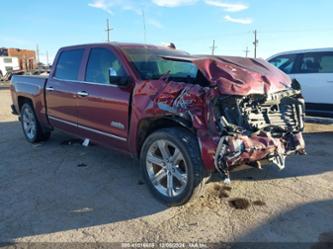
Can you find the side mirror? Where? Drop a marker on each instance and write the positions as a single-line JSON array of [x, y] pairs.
[[116, 79]]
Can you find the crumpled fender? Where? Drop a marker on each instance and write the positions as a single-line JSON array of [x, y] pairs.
[[158, 98]]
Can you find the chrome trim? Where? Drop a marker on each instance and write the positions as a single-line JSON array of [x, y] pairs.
[[63, 121], [87, 82], [50, 89], [118, 125], [103, 133], [82, 93], [89, 129]]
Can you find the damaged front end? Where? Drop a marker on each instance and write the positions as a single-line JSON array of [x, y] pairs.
[[249, 112], [259, 129]]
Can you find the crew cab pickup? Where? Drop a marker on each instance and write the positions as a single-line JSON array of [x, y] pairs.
[[182, 116]]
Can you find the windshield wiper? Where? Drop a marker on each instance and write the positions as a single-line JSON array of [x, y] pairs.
[[165, 76]]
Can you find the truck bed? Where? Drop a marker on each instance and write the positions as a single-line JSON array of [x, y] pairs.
[[25, 87]]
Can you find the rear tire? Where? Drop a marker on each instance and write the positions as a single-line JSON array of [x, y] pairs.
[[31, 127], [172, 167]]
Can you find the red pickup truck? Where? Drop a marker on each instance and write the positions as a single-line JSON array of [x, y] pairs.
[[183, 116]]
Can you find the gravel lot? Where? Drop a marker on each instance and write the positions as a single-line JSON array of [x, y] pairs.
[[59, 191]]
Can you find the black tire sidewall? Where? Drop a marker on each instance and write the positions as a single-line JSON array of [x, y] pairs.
[[37, 134], [187, 143]]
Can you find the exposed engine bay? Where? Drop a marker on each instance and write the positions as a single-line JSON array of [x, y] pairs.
[[258, 127]]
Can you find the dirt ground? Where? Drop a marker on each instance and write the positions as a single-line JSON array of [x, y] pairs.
[[59, 191]]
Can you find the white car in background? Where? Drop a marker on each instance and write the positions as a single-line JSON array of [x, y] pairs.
[[313, 69]]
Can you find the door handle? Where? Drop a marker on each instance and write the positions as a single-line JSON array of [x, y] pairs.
[[82, 94], [330, 81], [50, 88]]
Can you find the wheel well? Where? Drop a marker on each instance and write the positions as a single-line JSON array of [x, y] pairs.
[[148, 126], [22, 100]]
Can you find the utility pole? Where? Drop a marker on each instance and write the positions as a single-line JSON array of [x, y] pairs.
[[247, 51], [213, 48], [37, 53], [108, 29], [47, 58], [144, 27], [255, 43]]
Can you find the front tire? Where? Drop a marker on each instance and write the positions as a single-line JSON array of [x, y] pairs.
[[30, 125], [171, 164]]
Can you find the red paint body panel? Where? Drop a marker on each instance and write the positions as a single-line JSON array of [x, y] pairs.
[[111, 115]]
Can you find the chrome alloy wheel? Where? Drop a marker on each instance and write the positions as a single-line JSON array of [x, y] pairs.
[[167, 168], [29, 123]]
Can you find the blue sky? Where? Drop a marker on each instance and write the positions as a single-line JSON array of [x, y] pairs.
[[191, 24]]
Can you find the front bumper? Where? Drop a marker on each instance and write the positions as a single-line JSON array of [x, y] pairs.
[[238, 150]]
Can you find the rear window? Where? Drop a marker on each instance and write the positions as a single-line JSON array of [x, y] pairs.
[[317, 63], [68, 65]]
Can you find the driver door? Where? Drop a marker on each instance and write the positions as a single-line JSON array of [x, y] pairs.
[[103, 108]]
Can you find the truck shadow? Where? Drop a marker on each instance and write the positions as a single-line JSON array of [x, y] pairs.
[[60, 185], [310, 224]]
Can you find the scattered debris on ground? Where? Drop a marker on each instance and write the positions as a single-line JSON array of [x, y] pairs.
[[259, 203], [239, 203], [71, 141], [82, 165], [141, 182]]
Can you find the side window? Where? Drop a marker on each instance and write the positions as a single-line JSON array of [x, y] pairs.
[[317, 63], [102, 62], [68, 65], [285, 63]]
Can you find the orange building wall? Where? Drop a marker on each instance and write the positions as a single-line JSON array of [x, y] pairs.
[[27, 58]]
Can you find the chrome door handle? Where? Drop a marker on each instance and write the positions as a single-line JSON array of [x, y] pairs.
[[50, 88], [83, 93]]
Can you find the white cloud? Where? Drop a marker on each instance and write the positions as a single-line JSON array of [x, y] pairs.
[[101, 4], [244, 21], [230, 7], [173, 3], [109, 5]]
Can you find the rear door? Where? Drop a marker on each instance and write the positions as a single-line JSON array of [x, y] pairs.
[[61, 90], [315, 73], [103, 108]]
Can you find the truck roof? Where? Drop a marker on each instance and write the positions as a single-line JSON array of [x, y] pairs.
[[301, 51], [118, 45]]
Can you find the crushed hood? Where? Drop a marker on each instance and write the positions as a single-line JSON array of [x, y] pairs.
[[239, 76]]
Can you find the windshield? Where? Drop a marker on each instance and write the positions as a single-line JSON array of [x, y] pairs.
[[150, 64]]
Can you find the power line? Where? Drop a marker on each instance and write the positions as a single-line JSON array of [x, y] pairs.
[[296, 31]]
